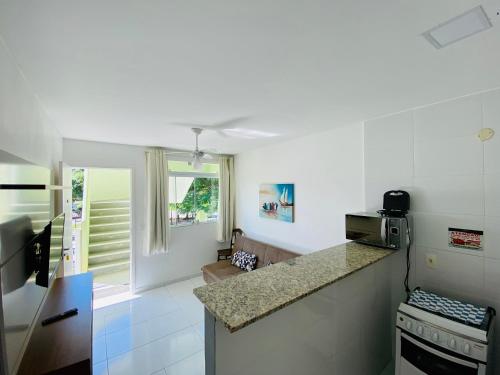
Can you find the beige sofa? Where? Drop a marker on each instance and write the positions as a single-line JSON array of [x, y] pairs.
[[265, 253]]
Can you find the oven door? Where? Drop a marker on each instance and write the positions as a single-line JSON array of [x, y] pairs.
[[367, 229], [417, 358]]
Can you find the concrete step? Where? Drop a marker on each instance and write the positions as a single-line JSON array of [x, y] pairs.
[[100, 246], [94, 212], [109, 204], [56, 241], [109, 236], [109, 219], [109, 267], [108, 257], [109, 227]]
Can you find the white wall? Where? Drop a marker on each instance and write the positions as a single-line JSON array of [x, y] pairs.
[[327, 170], [25, 129], [454, 181], [190, 248]]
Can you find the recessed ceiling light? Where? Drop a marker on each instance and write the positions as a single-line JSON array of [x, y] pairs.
[[458, 28]]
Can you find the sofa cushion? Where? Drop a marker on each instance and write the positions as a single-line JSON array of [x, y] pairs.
[[245, 261], [265, 253], [221, 270]]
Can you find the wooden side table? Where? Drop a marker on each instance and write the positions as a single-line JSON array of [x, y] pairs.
[[224, 254]]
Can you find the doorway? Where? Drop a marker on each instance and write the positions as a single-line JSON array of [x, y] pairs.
[[101, 227]]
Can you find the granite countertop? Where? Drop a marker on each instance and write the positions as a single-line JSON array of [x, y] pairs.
[[241, 300]]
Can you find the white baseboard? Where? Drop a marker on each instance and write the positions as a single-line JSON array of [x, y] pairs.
[[161, 285]]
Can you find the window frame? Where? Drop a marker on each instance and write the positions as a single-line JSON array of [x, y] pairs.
[[194, 175]]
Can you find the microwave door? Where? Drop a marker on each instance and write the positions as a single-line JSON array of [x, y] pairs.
[[368, 229]]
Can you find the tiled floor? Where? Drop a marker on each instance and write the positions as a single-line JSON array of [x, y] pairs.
[[159, 332]]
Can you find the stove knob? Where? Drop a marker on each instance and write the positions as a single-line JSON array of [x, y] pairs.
[[435, 337], [408, 325], [420, 330], [452, 344], [467, 349]]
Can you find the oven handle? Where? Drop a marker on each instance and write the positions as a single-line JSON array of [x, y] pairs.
[[383, 231], [440, 354]]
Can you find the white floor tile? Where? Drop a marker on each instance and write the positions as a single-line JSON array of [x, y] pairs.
[[100, 368], [99, 350], [141, 361], [98, 325], [150, 332], [180, 345], [143, 333], [139, 310], [194, 311], [157, 354], [194, 365], [200, 329]]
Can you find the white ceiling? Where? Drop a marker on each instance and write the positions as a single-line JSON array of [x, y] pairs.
[[124, 70]]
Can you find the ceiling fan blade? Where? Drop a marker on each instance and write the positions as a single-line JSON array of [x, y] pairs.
[[222, 133], [248, 133], [207, 156], [229, 124]]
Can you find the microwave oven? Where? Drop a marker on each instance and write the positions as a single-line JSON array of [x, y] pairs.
[[378, 230]]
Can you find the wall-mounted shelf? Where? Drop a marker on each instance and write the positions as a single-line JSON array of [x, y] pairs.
[[32, 187]]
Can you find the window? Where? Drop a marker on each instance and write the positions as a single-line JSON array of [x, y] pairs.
[[193, 195]]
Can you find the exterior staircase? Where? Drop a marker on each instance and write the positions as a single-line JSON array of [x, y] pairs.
[[109, 237]]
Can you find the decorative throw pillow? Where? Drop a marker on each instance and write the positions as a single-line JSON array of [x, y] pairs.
[[245, 261]]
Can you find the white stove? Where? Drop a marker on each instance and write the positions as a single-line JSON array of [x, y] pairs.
[[428, 342]]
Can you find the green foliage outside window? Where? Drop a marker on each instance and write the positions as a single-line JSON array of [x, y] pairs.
[[201, 200], [77, 183]]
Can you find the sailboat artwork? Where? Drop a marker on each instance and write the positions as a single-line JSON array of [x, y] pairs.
[[276, 201]]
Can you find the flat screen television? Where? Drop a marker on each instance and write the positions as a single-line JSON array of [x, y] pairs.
[[28, 263]]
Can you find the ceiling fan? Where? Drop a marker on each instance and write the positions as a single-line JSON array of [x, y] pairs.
[[197, 155], [230, 128]]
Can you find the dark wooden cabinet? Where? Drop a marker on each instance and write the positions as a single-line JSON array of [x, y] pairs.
[[64, 347]]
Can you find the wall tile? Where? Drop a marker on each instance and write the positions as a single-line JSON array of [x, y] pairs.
[[491, 109], [492, 153], [462, 195], [461, 273], [389, 146], [492, 194], [455, 156], [456, 118], [390, 130], [492, 237], [432, 230], [492, 279], [376, 186], [491, 119]]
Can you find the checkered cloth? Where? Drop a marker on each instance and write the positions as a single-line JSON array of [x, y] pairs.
[[456, 310]]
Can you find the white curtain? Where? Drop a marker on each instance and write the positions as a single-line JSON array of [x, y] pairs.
[[157, 226], [226, 198]]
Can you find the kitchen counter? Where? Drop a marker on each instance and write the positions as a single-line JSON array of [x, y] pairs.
[[246, 298]]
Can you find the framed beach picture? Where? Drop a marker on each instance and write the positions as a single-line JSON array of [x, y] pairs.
[[276, 201]]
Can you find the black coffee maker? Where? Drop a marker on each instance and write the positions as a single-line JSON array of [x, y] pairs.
[[396, 203]]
